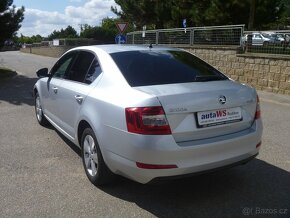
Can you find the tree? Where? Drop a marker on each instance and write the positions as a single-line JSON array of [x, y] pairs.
[[282, 20], [10, 19], [68, 32], [102, 34], [152, 13], [109, 23], [105, 33], [258, 14], [37, 38], [28, 40], [252, 14]]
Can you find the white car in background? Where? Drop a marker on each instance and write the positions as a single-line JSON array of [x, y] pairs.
[[259, 39], [148, 112]]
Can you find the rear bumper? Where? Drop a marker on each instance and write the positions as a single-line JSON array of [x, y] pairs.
[[190, 159], [159, 179]]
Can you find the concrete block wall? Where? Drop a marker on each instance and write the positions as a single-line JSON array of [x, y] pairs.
[[264, 72], [46, 51]]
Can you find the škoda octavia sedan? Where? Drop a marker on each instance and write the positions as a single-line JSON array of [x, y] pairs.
[[148, 112]]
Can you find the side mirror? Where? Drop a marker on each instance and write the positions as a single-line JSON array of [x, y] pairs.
[[42, 73]]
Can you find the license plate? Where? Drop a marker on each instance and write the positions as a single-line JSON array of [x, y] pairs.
[[219, 117]]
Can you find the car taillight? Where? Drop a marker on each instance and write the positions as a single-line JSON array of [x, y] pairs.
[[147, 121], [258, 109]]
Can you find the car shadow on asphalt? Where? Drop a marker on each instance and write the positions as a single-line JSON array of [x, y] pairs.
[[257, 188], [75, 148], [17, 90]]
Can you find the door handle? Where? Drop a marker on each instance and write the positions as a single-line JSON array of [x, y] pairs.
[[55, 89], [79, 99]]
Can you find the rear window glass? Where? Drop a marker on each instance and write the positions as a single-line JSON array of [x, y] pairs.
[[144, 68]]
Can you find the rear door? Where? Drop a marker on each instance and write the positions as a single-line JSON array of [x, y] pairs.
[[50, 90], [257, 39]]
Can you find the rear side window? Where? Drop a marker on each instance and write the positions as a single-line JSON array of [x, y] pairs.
[[94, 71], [143, 68], [79, 69]]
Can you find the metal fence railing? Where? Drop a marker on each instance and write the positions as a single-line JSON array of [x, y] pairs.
[[273, 42], [212, 35]]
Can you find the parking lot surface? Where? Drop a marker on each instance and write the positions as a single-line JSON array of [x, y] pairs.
[[41, 173]]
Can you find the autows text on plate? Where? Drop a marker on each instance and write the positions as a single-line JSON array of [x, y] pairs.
[[218, 117]]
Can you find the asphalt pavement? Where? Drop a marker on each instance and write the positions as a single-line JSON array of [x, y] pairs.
[[41, 173]]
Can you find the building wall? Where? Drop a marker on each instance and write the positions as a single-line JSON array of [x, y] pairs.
[[264, 72]]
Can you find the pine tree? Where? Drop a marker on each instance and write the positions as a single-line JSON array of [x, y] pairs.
[[10, 19], [258, 14]]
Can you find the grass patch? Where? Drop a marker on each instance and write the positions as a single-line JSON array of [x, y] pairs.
[[6, 73]]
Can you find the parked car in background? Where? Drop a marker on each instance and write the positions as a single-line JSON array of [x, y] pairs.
[[277, 38], [287, 37], [148, 112], [259, 39]]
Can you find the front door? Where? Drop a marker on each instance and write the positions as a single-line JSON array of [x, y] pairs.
[[51, 101]]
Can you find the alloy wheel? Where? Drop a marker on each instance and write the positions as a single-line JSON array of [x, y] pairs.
[[38, 109], [90, 155]]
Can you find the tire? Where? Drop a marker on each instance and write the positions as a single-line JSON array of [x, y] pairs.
[[39, 113], [95, 167]]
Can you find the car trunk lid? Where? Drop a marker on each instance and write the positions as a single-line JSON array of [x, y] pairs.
[[194, 110]]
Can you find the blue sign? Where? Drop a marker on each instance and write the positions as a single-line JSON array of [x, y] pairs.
[[120, 39], [184, 23]]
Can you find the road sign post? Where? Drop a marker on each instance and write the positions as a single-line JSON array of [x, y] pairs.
[[184, 25], [144, 30], [122, 26], [120, 39]]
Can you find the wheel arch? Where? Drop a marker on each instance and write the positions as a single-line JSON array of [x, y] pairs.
[[35, 90], [83, 124]]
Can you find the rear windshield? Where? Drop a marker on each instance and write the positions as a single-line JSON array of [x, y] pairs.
[[144, 68]]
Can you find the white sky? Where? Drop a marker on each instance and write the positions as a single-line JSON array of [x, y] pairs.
[[44, 16]]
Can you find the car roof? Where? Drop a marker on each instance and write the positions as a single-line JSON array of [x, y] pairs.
[[114, 48]]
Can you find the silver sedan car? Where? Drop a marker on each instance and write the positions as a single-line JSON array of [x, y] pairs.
[[148, 113]]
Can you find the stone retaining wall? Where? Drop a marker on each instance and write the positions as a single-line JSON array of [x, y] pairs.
[[264, 72]]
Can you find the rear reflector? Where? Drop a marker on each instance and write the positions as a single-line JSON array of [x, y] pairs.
[[259, 144], [147, 121], [155, 166], [258, 109]]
